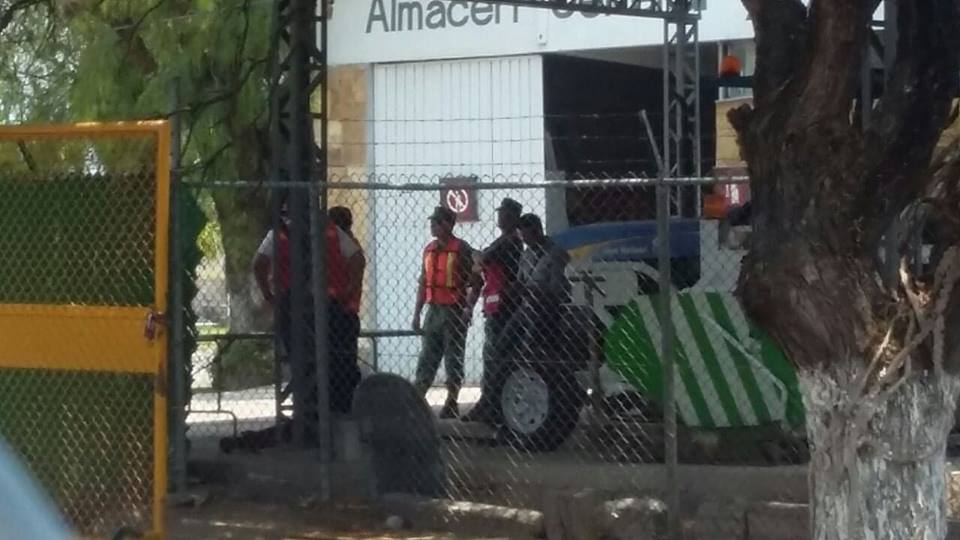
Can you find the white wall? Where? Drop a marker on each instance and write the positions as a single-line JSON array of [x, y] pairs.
[[480, 117], [374, 31]]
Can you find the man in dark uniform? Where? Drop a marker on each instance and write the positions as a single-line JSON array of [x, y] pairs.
[[498, 265]]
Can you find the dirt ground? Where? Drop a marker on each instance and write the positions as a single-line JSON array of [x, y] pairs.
[[240, 520]]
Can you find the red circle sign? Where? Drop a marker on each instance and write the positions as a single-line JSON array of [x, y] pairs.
[[458, 200]]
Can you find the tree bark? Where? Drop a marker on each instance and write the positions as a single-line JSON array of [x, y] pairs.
[[244, 217], [881, 478], [879, 386], [243, 214]]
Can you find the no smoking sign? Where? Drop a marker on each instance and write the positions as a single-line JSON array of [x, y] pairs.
[[458, 200], [459, 195]]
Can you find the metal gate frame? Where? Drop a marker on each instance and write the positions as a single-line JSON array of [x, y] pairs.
[[125, 328]]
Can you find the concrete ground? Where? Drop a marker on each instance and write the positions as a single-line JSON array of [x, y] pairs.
[[484, 470], [241, 520], [271, 494]]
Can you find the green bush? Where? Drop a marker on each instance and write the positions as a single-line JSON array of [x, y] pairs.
[[245, 364]]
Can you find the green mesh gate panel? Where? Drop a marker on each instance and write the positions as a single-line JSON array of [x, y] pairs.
[[80, 249]]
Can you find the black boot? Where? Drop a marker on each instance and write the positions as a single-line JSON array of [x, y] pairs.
[[450, 409], [483, 412]]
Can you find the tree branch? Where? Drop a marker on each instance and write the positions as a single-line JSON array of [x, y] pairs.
[[27, 156], [913, 112], [242, 43], [780, 28], [132, 35]]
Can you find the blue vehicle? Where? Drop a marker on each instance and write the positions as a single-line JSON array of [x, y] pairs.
[[26, 512]]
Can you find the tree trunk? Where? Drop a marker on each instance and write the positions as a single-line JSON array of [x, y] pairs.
[[243, 223], [825, 189], [882, 476], [244, 215]]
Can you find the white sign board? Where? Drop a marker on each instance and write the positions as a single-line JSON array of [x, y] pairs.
[[379, 31]]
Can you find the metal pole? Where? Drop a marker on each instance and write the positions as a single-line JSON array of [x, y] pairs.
[[276, 143], [666, 353], [674, 105], [301, 17], [666, 340], [697, 123], [318, 224], [178, 467], [278, 346], [679, 97], [667, 155], [319, 201]]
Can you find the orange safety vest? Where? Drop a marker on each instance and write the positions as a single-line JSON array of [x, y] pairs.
[[336, 266], [442, 270]]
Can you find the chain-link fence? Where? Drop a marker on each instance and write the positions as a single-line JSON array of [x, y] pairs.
[[538, 347], [82, 291]]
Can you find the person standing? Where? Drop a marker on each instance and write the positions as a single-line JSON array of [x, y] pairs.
[[342, 217], [344, 327], [445, 279], [544, 289], [499, 264], [271, 268]]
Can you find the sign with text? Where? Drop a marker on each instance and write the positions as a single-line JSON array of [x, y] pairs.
[[377, 31], [459, 194]]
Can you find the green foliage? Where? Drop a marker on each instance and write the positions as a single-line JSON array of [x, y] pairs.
[[210, 239], [120, 60], [246, 364]]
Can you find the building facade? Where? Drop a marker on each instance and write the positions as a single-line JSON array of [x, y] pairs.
[[422, 91]]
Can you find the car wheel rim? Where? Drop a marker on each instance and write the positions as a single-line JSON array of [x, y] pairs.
[[525, 401]]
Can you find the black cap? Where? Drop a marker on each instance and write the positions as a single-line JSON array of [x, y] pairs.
[[510, 205], [528, 221], [443, 214]]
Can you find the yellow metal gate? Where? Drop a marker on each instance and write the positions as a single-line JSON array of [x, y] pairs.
[[83, 289]]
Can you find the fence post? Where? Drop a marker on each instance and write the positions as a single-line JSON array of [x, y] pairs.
[[321, 321], [666, 354], [178, 458], [665, 286], [319, 202]]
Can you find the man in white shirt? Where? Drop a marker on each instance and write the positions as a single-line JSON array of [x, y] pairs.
[[271, 268]]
